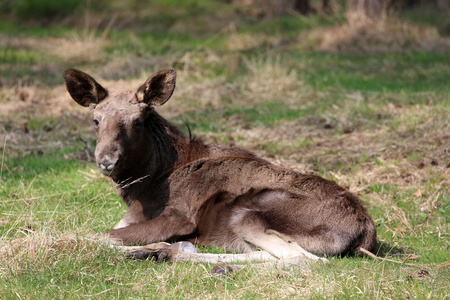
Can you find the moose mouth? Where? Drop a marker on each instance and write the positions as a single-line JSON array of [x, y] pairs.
[[107, 170]]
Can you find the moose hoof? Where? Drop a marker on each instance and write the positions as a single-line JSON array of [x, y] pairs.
[[171, 251], [221, 270], [138, 254], [324, 260], [162, 251], [185, 247]]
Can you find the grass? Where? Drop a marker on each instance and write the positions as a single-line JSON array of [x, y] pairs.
[[376, 123]]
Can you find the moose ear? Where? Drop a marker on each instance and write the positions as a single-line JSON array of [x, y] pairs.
[[158, 88], [83, 88]]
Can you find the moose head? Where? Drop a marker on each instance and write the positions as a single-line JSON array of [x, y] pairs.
[[122, 118]]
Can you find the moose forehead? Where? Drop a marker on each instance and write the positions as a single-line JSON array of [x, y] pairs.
[[120, 104]]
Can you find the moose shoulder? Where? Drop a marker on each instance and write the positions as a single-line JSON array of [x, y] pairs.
[[180, 189]]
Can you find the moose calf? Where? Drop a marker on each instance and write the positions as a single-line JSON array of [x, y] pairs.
[[181, 189]]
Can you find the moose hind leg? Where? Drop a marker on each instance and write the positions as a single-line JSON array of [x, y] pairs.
[[252, 230], [278, 247]]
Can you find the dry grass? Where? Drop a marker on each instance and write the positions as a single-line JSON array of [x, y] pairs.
[[266, 79], [80, 48], [34, 100], [39, 247], [25, 107], [244, 41], [386, 34], [83, 46], [270, 79]]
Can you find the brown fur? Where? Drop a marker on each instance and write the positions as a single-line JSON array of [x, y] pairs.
[[183, 189]]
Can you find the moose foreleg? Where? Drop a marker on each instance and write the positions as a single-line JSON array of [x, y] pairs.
[[167, 225], [186, 251], [226, 263]]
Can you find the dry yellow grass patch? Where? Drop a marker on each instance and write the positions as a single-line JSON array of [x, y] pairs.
[[81, 47], [269, 79], [33, 100], [386, 34], [38, 247], [244, 41]]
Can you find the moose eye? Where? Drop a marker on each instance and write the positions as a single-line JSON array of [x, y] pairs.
[[139, 122]]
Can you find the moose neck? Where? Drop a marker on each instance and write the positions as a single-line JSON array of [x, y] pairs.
[[165, 138], [168, 149]]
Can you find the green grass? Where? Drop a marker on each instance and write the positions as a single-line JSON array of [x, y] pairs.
[[21, 29], [375, 123], [412, 72], [53, 190]]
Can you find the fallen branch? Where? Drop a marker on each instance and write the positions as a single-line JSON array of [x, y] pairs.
[[368, 253]]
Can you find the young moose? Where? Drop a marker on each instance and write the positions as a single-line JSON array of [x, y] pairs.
[[179, 189]]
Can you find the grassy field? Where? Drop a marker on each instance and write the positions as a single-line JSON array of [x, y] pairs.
[[365, 104]]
